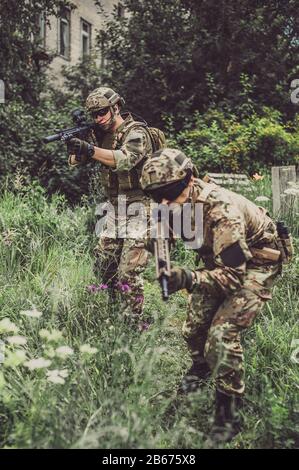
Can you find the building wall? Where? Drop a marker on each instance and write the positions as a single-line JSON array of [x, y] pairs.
[[86, 10]]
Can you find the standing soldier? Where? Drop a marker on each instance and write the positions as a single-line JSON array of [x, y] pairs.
[[120, 146], [241, 256]]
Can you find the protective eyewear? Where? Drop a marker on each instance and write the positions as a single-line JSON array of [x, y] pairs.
[[170, 191], [100, 112]]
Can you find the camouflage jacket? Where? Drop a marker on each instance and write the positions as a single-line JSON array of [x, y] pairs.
[[130, 145], [231, 226]]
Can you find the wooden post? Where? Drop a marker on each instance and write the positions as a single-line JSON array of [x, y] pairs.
[[282, 203]]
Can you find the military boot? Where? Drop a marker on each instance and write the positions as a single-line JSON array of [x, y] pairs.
[[195, 378], [227, 422]]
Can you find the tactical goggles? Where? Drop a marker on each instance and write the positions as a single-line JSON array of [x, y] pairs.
[[100, 112], [170, 191]]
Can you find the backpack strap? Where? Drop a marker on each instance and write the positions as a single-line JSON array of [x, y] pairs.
[[205, 192], [130, 126]]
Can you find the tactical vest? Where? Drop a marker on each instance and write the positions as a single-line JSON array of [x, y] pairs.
[[120, 182]]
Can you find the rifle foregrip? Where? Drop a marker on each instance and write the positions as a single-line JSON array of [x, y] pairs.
[[164, 285]]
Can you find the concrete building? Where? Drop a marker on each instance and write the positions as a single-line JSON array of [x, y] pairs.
[[73, 34]]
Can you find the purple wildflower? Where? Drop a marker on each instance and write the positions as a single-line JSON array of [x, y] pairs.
[[143, 326], [139, 299], [96, 288], [102, 286], [92, 288], [123, 286]]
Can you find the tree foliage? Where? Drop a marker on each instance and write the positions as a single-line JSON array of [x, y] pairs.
[[28, 113], [178, 56], [22, 59]]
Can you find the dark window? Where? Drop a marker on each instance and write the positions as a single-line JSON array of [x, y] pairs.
[[64, 34], [120, 10], [41, 22], [85, 37]]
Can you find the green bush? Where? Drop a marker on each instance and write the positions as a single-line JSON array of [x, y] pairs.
[[220, 142], [22, 128]]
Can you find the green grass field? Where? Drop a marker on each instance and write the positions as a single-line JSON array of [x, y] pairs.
[[99, 383]]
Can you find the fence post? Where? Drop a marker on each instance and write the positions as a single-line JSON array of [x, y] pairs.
[[281, 175]]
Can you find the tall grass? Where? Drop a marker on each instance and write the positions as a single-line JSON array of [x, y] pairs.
[[117, 391]]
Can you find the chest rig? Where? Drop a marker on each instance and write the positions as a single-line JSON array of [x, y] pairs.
[[125, 182]]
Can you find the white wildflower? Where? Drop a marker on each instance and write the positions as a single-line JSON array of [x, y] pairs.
[[262, 199], [15, 358], [49, 351], [87, 349], [57, 376], [19, 340], [43, 333], [34, 313], [39, 363], [56, 379], [64, 351], [64, 373], [54, 335], [6, 326]]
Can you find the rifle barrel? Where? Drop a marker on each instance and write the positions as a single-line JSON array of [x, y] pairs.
[[51, 138], [66, 134]]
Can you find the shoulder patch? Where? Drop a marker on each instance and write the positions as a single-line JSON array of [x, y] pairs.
[[233, 256]]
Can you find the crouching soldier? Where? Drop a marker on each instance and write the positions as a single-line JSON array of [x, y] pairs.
[[241, 256]]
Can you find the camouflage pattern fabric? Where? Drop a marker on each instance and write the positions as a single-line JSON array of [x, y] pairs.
[[120, 262], [101, 97], [227, 299], [214, 325], [130, 146], [164, 167]]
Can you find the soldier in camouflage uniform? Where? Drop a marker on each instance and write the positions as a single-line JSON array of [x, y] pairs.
[[120, 147], [230, 290]]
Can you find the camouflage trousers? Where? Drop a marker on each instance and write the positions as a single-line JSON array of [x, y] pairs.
[[119, 264], [214, 325], [120, 261]]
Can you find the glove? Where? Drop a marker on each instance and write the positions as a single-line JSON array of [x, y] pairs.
[[180, 279], [83, 150]]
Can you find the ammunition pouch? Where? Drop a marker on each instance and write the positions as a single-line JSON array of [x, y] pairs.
[[281, 250], [265, 255], [286, 248], [121, 182]]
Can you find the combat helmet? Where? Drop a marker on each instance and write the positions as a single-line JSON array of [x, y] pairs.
[[166, 166], [166, 174], [102, 97]]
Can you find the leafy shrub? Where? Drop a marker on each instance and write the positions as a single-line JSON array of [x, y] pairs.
[[220, 142], [22, 128]]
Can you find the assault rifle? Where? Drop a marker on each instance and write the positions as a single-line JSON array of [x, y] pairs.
[[81, 128], [162, 257]]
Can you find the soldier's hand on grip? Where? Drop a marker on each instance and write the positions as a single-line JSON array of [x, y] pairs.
[[83, 150], [180, 279]]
